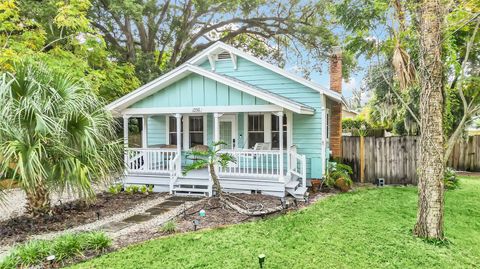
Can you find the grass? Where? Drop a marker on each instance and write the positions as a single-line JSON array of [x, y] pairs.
[[363, 229]]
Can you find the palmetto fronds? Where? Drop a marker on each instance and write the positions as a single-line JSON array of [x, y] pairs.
[[54, 132]]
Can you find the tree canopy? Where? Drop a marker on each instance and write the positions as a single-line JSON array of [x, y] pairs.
[[60, 35]]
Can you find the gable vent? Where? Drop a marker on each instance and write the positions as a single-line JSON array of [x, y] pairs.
[[223, 55]]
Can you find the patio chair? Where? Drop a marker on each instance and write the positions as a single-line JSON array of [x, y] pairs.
[[262, 146]]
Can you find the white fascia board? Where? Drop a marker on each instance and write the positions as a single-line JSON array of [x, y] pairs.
[[244, 88], [145, 90], [201, 109], [182, 72], [220, 45]]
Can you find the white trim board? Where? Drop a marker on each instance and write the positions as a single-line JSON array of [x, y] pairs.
[[220, 46], [184, 70], [201, 110]]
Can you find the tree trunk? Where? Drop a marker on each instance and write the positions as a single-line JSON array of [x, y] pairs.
[[216, 182], [430, 186], [38, 201]]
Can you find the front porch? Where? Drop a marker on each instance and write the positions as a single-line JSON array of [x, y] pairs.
[[266, 160]]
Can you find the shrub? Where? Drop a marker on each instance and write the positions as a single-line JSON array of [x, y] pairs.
[[64, 248], [97, 241], [450, 179], [169, 227], [67, 246], [338, 175], [135, 188], [115, 189], [31, 253], [143, 189], [150, 188], [129, 189]]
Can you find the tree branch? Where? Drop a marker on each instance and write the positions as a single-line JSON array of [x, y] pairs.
[[466, 107]]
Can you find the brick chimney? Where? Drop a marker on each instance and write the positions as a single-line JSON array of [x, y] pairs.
[[336, 108]]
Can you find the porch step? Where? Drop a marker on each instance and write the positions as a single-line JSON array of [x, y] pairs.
[[299, 193], [191, 187], [292, 184], [190, 191]]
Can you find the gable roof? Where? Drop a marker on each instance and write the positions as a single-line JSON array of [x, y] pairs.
[[186, 69], [220, 47]]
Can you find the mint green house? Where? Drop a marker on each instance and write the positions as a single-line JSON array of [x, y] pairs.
[[275, 124]]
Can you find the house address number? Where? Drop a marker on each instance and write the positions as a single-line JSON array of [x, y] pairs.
[[196, 110]]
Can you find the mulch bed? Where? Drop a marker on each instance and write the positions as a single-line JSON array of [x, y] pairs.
[[217, 215], [70, 215]]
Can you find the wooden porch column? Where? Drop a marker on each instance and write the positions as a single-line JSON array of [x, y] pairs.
[[125, 141], [280, 143], [145, 131], [179, 133], [179, 139]]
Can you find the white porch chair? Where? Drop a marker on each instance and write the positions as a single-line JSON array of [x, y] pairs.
[[262, 146]]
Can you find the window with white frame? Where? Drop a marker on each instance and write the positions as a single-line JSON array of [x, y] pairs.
[[276, 132], [195, 129], [172, 131], [256, 127]]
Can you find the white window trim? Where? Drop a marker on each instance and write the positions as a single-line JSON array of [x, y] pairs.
[[288, 130], [186, 129], [267, 129]]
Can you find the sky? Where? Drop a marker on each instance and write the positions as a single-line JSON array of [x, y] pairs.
[[354, 82]]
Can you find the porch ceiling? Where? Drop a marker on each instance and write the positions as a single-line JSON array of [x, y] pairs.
[[121, 106]]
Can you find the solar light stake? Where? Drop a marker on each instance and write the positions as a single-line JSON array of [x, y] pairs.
[[261, 260], [195, 224]]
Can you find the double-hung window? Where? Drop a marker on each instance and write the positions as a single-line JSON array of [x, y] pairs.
[[256, 126], [276, 132], [195, 129], [172, 131]]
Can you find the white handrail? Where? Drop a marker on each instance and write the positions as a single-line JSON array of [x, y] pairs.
[[175, 166], [298, 167]]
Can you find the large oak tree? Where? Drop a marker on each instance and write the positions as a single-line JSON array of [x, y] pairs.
[[159, 35]]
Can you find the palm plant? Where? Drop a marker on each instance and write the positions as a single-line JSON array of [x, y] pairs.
[[55, 135], [210, 158]]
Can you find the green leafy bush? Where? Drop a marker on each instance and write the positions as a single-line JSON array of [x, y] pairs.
[[135, 188], [450, 179], [169, 227], [338, 175], [115, 189], [150, 188], [63, 248], [143, 189], [129, 189]]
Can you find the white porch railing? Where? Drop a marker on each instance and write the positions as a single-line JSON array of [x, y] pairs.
[[298, 167], [149, 160], [175, 170], [253, 163]]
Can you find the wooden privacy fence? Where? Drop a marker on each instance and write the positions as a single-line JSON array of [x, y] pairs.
[[395, 158], [466, 155]]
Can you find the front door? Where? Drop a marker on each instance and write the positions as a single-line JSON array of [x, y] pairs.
[[228, 131]]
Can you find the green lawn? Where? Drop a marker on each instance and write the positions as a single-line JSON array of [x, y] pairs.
[[363, 229]]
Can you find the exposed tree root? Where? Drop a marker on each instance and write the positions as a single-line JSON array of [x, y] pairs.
[[246, 208]]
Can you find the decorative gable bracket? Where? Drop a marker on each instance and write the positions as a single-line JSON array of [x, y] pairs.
[[214, 57]]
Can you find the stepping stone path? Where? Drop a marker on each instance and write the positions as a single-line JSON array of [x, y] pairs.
[[149, 214]]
